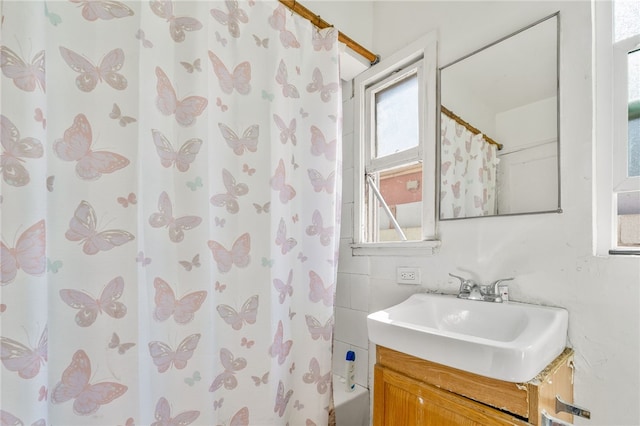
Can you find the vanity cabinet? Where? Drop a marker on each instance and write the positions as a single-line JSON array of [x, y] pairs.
[[411, 391]]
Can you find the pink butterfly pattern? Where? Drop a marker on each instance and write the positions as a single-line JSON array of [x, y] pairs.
[[28, 254], [26, 76], [239, 254], [319, 145], [24, 360], [14, 149], [322, 381], [230, 198], [182, 158], [278, 22], [91, 75], [75, 145], [258, 166], [186, 110], [163, 415], [248, 141], [82, 227], [75, 385], [240, 79], [317, 290], [231, 18], [285, 191], [317, 85], [282, 288], [93, 10], [177, 24], [164, 357], [247, 315], [90, 307], [176, 226], [280, 348], [183, 309], [231, 365]]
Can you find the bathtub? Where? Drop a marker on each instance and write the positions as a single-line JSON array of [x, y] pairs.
[[351, 408]]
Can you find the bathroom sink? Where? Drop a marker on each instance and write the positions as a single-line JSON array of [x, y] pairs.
[[506, 341]]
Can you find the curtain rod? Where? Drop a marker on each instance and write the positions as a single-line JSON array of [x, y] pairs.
[[296, 7], [469, 127]]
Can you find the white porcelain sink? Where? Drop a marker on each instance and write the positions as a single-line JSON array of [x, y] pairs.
[[506, 341]]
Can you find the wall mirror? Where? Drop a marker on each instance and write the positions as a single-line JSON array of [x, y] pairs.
[[499, 127]]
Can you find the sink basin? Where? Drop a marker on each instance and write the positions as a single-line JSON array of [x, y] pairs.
[[506, 341]]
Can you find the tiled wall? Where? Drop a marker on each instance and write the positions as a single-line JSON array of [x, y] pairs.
[[352, 287]]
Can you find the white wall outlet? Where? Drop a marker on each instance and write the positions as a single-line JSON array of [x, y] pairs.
[[406, 275]]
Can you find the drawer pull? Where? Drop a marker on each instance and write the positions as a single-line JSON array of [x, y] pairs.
[[548, 420], [571, 409]]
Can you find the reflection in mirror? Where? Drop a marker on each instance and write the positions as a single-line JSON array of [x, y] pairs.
[[499, 127]]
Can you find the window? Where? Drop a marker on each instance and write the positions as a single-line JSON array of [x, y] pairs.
[[618, 70], [395, 153]]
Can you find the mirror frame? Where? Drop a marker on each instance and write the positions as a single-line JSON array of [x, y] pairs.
[[558, 128]]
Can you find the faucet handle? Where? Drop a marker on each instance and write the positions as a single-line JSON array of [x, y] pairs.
[[494, 285], [465, 283]]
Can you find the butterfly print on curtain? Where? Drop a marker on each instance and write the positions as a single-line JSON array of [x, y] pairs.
[[285, 244], [89, 307], [182, 309], [239, 254], [286, 132], [317, 85], [93, 10], [182, 158], [232, 18], [278, 22], [14, 149], [285, 191], [163, 415], [24, 360], [317, 291], [28, 254], [176, 226], [82, 227], [282, 288], [240, 79], [282, 399], [177, 25], [26, 76], [163, 356], [317, 330], [234, 190], [75, 145], [247, 315], [186, 110], [75, 385], [322, 381], [248, 141], [317, 228], [122, 348], [319, 145], [91, 75], [282, 77], [231, 365], [280, 348]]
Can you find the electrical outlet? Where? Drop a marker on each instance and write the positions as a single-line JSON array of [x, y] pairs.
[[406, 275]]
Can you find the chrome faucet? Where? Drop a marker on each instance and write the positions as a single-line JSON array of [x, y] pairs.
[[471, 290]]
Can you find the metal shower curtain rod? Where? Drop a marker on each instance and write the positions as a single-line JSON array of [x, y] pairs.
[[296, 7]]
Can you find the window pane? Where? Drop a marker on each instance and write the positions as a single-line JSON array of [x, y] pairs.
[[634, 115], [627, 19], [397, 117], [401, 189]]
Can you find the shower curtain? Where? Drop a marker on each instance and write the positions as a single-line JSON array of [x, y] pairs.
[[169, 213], [468, 167]]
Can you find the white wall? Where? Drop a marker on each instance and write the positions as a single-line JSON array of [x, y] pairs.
[[550, 255]]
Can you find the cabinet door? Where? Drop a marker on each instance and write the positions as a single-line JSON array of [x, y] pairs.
[[402, 401]]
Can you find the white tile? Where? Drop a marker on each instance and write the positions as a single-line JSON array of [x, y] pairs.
[[349, 263], [339, 353], [347, 150], [347, 185], [343, 293], [351, 327], [359, 292], [346, 221]]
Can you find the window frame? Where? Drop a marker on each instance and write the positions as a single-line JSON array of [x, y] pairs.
[[611, 130], [419, 57]]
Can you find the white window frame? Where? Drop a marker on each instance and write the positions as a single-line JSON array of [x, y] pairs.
[[611, 121], [419, 57]]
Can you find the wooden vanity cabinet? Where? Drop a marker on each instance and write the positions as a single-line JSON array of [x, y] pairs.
[[411, 391]]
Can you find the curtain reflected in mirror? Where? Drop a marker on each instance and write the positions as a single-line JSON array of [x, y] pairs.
[[499, 129]]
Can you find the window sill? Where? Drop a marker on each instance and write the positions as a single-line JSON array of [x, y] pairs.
[[400, 248]]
